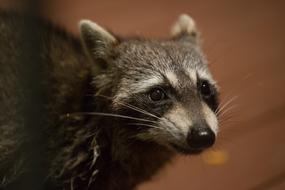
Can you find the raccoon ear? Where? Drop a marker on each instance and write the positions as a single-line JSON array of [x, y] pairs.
[[97, 41], [184, 29]]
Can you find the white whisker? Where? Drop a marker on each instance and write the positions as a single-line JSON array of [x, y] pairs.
[[133, 107], [227, 110], [109, 115], [143, 124], [223, 106]]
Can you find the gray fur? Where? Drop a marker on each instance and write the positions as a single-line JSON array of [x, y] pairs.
[[104, 75]]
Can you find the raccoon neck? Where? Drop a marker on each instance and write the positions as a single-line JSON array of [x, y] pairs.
[[130, 162]]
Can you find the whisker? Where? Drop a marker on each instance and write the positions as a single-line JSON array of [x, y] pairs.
[[139, 110], [227, 110], [147, 113], [143, 124], [133, 107], [223, 106], [226, 117], [228, 102], [108, 115], [229, 116], [228, 122]]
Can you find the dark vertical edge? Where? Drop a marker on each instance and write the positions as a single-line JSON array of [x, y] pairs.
[[33, 110]]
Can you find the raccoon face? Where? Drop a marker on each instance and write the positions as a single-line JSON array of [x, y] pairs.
[[164, 85]]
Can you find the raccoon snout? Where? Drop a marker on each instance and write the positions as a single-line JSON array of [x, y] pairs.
[[200, 137]]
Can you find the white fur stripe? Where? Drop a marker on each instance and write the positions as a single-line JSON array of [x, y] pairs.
[[193, 75], [172, 77], [211, 118], [179, 116], [138, 87]]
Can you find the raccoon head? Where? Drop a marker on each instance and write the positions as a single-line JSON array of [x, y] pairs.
[[164, 85]]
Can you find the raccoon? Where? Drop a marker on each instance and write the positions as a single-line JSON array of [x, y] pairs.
[[116, 110]]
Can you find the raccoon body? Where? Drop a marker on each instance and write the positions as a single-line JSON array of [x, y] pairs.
[[115, 110]]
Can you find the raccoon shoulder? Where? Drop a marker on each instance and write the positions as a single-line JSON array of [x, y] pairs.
[[62, 57]]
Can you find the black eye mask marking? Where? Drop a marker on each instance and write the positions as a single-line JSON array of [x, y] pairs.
[[208, 93]]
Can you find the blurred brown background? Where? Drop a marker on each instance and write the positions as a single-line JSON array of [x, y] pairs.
[[245, 44]]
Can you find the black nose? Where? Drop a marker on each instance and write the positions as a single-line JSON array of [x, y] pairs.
[[201, 137]]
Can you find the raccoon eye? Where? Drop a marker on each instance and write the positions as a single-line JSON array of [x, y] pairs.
[[157, 94], [205, 89]]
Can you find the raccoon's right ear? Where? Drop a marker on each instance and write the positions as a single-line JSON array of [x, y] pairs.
[[97, 41], [185, 30]]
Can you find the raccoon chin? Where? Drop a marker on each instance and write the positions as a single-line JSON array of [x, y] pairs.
[[185, 150]]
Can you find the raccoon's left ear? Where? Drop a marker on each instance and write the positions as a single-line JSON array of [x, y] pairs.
[[98, 42], [184, 29]]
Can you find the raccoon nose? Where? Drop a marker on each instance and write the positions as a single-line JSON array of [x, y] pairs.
[[200, 137]]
